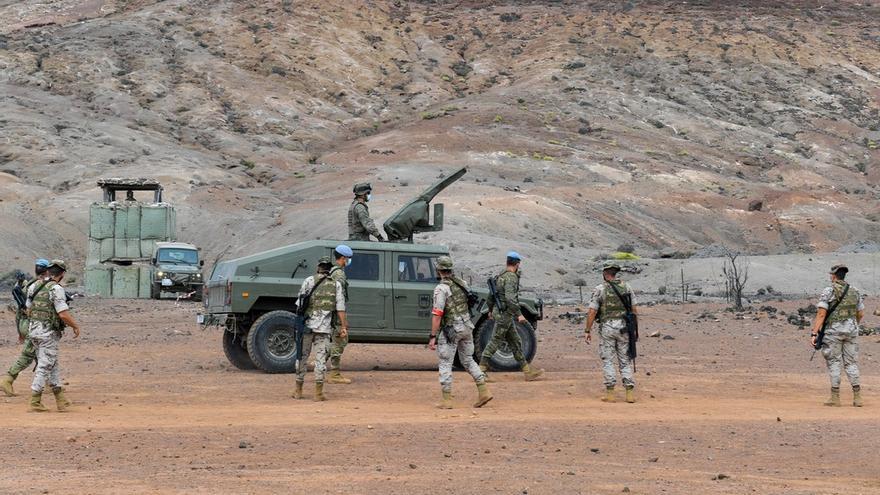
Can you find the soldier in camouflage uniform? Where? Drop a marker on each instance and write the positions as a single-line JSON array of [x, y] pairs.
[[343, 255], [28, 354], [507, 284], [840, 347], [48, 314], [606, 308], [452, 331], [360, 225], [327, 297]]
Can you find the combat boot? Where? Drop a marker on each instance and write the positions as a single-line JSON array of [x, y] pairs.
[[319, 392], [857, 396], [446, 403], [484, 367], [298, 391], [37, 402], [61, 401], [834, 400], [630, 395], [336, 377], [484, 397], [531, 375], [6, 385], [609, 395]]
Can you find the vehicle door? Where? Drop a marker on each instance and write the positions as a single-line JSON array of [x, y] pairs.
[[413, 287], [368, 305]]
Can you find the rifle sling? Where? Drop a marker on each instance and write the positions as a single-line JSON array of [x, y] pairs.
[[308, 296], [626, 305]]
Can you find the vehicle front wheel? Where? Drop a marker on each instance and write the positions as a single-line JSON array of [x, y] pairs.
[[503, 359], [236, 351], [155, 291], [271, 344]]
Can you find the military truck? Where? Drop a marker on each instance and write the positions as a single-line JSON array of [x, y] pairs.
[[390, 292], [176, 267]]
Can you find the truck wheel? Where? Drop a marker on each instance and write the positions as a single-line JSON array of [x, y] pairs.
[[236, 352], [503, 358], [155, 291], [271, 344]]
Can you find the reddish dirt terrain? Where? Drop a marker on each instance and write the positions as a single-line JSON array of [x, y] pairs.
[[159, 410]]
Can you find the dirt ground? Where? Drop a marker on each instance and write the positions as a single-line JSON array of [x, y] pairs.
[[159, 410]]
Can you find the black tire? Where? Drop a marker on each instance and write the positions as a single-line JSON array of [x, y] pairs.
[[236, 351], [155, 291], [271, 344], [503, 358]]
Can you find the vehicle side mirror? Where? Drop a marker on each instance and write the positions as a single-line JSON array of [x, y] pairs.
[[153, 261], [201, 262]]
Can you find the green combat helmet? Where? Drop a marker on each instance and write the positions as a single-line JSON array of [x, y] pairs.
[[610, 265], [362, 188], [444, 263], [59, 263], [325, 260]]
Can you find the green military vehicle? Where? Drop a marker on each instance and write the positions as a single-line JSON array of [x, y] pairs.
[[390, 293], [176, 267]]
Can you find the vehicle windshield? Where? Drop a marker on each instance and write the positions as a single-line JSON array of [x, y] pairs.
[[181, 256]]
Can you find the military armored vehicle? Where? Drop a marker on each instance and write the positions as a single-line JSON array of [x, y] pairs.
[[176, 267], [390, 292]]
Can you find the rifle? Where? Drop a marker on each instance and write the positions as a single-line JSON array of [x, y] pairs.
[[820, 337], [299, 319], [494, 300], [472, 297], [19, 296], [632, 324]]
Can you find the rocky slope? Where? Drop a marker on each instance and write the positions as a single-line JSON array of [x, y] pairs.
[[585, 125]]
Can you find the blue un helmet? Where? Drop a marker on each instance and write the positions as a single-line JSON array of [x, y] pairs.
[[42, 263], [513, 257], [343, 250]]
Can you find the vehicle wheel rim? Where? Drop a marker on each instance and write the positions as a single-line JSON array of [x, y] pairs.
[[280, 343]]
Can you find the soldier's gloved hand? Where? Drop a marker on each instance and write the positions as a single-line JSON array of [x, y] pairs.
[[521, 319], [380, 238]]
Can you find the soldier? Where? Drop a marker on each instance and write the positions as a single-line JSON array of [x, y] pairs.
[[342, 255], [507, 284], [48, 314], [844, 307], [608, 309], [27, 355], [360, 225], [326, 297], [451, 320]]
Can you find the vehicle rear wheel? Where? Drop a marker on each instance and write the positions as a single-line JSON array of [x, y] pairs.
[[503, 359], [236, 351], [271, 344]]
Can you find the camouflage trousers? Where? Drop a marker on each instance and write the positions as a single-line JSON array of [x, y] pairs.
[[337, 347], [28, 354], [505, 332], [841, 350], [321, 344], [463, 343], [612, 349], [46, 346]]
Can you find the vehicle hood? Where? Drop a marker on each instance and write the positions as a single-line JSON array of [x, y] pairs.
[[175, 268]]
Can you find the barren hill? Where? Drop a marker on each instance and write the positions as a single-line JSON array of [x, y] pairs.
[[668, 125]]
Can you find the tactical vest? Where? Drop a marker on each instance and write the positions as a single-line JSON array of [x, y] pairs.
[[848, 307], [456, 305], [42, 309], [337, 274], [324, 297], [355, 229], [508, 282], [612, 307]]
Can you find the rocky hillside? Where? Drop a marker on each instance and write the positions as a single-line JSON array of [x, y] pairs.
[[586, 124]]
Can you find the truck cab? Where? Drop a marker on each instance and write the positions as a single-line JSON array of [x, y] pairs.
[[176, 267]]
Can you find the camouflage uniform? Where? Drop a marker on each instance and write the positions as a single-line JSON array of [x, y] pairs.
[[839, 347], [450, 301], [44, 329], [360, 225], [613, 341], [28, 354], [505, 321], [338, 343], [327, 299]]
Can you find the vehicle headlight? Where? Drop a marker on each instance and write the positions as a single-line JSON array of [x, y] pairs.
[[198, 275], [159, 274]]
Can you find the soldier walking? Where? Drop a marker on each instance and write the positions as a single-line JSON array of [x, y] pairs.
[[507, 313], [28, 354], [360, 225], [48, 314], [325, 297], [607, 308], [843, 306], [342, 258], [452, 331]]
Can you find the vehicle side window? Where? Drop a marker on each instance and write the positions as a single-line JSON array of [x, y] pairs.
[[363, 267], [416, 269]]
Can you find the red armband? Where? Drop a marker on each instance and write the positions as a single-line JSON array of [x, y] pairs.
[[437, 312]]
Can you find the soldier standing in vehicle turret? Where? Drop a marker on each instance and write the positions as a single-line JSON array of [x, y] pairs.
[[342, 255], [48, 314], [452, 331], [506, 319], [360, 225], [28, 354], [608, 309], [326, 297], [839, 345]]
